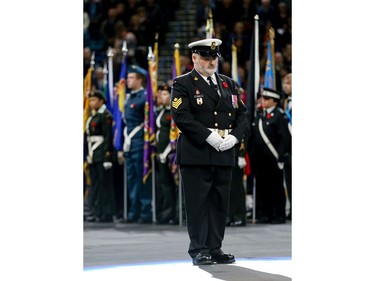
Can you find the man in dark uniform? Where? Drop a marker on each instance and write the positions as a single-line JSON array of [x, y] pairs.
[[167, 207], [237, 203], [100, 157], [269, 141], [212, 119], [139, 194]]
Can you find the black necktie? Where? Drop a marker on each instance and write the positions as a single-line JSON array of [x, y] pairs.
[[211, 83]]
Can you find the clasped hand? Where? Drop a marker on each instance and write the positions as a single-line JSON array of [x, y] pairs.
[[220, 144]]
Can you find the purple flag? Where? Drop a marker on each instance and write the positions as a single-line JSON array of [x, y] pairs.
[[149, 130]]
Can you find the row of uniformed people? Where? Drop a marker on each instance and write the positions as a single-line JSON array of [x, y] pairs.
[[106, 173], [105, 196]]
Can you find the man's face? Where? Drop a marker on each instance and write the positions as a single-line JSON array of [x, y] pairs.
[[287, 85], [268, 102], [206, 66], [95, 103], [133, 82]]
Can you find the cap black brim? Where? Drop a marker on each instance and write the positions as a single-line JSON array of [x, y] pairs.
[[207, 54]]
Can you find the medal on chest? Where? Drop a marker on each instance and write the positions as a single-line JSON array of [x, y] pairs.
[[235, 101]]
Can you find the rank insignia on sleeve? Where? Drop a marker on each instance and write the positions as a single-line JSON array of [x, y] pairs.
[[176, 102]]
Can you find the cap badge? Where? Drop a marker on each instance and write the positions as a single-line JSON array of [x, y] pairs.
[[213, 46]]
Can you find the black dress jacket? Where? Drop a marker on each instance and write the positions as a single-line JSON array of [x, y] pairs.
[[195, 107]]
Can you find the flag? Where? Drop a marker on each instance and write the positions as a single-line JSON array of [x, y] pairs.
[[86, 92], [154, 67], [234, 67], [253, 75], [173, 135], [174, 131], [176, 65], [86, 113], [269, 76], [149, 148], [118, 108]]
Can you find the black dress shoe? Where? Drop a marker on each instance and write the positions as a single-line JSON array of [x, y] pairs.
[[144, 221], [239, 223], [202, 259], [263, 220], [278, 221], [222, 258]]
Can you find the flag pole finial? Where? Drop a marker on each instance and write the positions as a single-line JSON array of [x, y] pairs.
[[176, 46], [256, 17], [105, 68], [110, 52], [92, 61], [124, 48], [150, 55]]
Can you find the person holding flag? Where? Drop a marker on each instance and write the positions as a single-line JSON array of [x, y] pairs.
[[100, 158], [168, 203], [139, 194]]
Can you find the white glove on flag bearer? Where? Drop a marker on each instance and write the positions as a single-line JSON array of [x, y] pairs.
[[107, 165], [228, 142], [241, 162]]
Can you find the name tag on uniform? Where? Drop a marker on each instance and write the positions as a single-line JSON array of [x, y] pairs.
[[198, 97]]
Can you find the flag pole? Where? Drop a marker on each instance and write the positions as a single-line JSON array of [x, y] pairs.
[[110, 75], [271, 33], [150, 57], [256, 89], [209, 24], [125, 211]]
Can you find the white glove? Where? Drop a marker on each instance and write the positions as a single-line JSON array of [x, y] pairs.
[[107, 165], [228, 142], [120, 157], [281, 165], [241, 162], [214, 139], [162, 159]]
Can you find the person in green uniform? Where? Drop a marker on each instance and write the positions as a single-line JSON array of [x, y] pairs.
[[100, 157]]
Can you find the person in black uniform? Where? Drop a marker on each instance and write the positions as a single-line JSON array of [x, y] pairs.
[[166, 211], [211, 119], [100, 158], [237, 200], [269, 140]]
